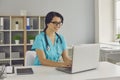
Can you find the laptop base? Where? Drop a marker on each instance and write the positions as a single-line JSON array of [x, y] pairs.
[[66, 70]]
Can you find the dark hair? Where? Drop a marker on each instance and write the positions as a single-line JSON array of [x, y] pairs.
[[50, 16]]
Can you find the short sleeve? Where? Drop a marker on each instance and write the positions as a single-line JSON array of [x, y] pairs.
[[64, 44], [38, 43]]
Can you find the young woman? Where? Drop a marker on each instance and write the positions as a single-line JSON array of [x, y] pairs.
[[49, 45]]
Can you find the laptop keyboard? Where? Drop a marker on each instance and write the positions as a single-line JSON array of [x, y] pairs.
[[64, 68], [68, 69]]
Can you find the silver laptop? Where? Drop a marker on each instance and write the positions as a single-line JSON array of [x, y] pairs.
[[85, 57]]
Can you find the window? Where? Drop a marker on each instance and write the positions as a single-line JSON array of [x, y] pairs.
[[117, 18]]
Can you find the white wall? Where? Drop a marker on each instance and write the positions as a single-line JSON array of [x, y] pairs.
[[78, 14], [104, 20]]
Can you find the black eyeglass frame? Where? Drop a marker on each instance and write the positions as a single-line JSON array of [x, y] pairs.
[[57, 23]]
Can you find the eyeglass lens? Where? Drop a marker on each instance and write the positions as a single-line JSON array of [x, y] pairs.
[[57, 23]]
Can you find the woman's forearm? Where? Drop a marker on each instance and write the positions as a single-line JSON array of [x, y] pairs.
[[52, 63]]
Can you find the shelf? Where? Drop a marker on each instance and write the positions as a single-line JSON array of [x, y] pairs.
[[33, 30], [29, 44], [22, 27], [4, 44], [7, 59], [17, 44], [4, 30], [17, 59], [17, 30], [17, 62]]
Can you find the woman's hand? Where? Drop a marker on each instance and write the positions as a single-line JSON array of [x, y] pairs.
[[67, 60], [66, 64]]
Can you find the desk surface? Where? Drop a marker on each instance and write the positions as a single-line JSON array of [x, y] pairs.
[[105, 69]]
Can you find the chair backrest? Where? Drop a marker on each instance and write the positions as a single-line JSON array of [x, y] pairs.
[[29, 58]]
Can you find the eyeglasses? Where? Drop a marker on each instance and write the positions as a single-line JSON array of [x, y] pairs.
[[57, 23]]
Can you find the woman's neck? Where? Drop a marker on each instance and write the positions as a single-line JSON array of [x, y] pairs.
[[50, 33]]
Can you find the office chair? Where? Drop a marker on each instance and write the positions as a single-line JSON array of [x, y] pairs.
[[29, 58]]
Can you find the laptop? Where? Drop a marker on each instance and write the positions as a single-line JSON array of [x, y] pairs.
[[85, 57]]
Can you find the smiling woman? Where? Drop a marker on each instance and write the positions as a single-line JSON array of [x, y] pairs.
[[55, 24], [49, 45]]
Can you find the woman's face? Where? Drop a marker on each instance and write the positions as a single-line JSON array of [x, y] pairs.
[[55, 24]]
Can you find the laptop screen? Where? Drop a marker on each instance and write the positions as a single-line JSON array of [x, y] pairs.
[[85, 57]]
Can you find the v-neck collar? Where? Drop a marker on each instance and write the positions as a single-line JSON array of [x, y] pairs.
[[50, 42]]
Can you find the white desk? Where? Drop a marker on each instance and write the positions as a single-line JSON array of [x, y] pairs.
[[105, 69]]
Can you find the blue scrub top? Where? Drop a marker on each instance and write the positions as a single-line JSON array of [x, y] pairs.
[[55, 51]]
